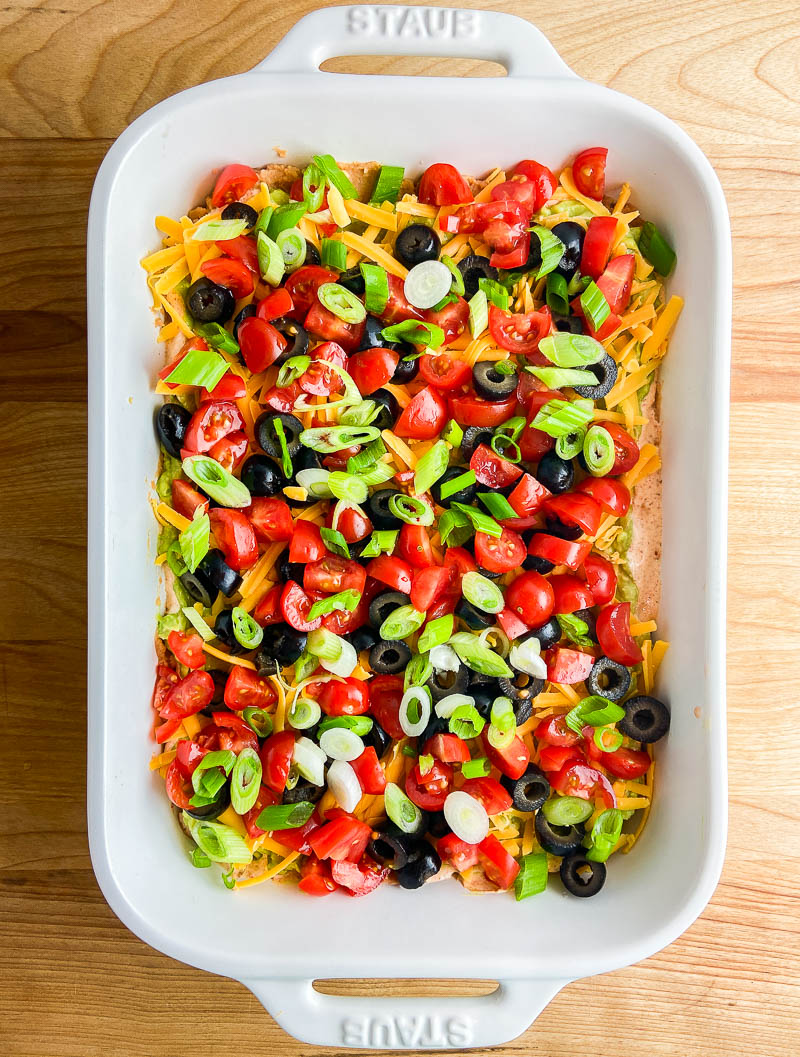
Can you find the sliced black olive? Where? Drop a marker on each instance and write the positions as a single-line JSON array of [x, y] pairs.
[[554, 527], [490, 383], [608, 679], [473, 268], [423, 863], [171, 423], [580, 876], [417, 243], [246, 313], [213, 574], [280, 643], [572, 235], [646, 719], [548, 634], [377, 738], [389, 657], [463, 495], [474, 618], [223, 629], [558, 840], [261, 476], [268, 438], [385, 603], [390, 846], [290, 570], [210, 303], [390, 409], [357, 547], [312, 254], [437, 824], [606, 374], [442, 684], [296, 335], [362, 638], [537, 564], [378, 509], [490, 574], [530, 791], [220, 680], [590, 620], [352, 280], [372, 336], [200, 589], [473, 437], [240, 211], [305, 459], [569, 324], [484, 698], [303, 792], [522, 689], [406, 370], [213, 810], [555, 473]]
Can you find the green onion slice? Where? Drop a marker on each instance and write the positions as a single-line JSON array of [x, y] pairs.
[[304, 713], [570, 445], [215, 481], [593, 711], [502, 715], [285, 816], [361, 414], [344, 601], [245, 630], [400, 810], [436, 632], [556, 294], [575, 629], [478, 313], [351, 393], [347, 486], [560, 417], [567, 810], [342, 302], [334, 438], [200, 859], [199, 367], [598, 451], [496, 294], [602, 735], [431, 467], [415, 331], [418, 670], [220, 843], [476, 768], [457, 286], [604, 835], [401, 623], [411, 509], [455, 484], [453, 433], [382, 541], [334, 175], [334, 254], [415, 710], [559, 377], [466, 722], [313, 189], [324, 645], [335, 541], [497, 505], [480, 521], [194, 541], [219, 230], [387, 188], [532, 876], [293, 247], [571, 350], [175, 558], [245, 780], [217, 336], [290, 371], [500, 739], [482, 592], [507, 367], [655, 248], [264, 217], [477, 656], [455, 528], [376, 287], [552, 250], [258, 720], [270, 259], [360, 725], [594, 305], [203, 630], [286, 216]]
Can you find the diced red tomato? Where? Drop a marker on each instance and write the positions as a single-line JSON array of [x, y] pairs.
[[361, 878], [266, 798], [512, 624], [569, 593], [612, 495], [273, 306], [443, 185], [295, 606], [471, 410], [576, 508], [452, 319], [298, 838], [444, 372], [566, 666], [281, 398], [234, 733], [343, 838], [616, 281], [500, 554], [189, 696], [601, 578], [414, 546], [348, 698], [243, 249], [614, 634], [332, 574], [429, 791], [599, 239], [324, 324], [555, 731], [271, 519], [235, 535], [166, 678], [233, 274], [579, 779], [230, 451], [457, 852], [528, 496], [541, 177], [494, 797], [626, 763], [352, 524], [461, 559], [230, 387], [571, 553], [320, 380], [303, 284], [268, 610], [510, 760], [499, 865], [210, 423], [179, 790], [514, 257], [369, 772], [492, 470], [519, 333], [625, 447], [371, 369], [247, 689], [261, 344], [188, 648], [392, 571], [424, 417], [428, 585], [589, 172], [448, 748], [276, 759], [306, 545], [233, 182], [315, 878], [530, 596], [186, 499], [555, 757], [188, 755]]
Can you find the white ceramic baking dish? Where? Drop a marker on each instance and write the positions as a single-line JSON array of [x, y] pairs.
[[272, 938]]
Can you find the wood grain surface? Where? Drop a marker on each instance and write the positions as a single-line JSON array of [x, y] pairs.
[[73, 981]]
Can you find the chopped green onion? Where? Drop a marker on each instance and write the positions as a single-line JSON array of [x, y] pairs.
[[593, 711], [328, 439], [415, 710], [482, 592], [410, 751], [220, 843], [599, 451], [382, 541], [500, 739], [245, 629], [617, 738], [532, 876], [290, 371], [506, 448], [497, 505], [315, 482], [293, 247], [278, 196], [324, 645], [345, 601], [334, 254], [367, 457], [496, 294], [334, 541], [455, 484], [567, 810], [478, 313], [215, 481], [559, 417], [378, 474], [457, 286], [575, 629], [455, 528], [387, 188], [655, 248], [228, 879], [199, 367], [466, 722], [401, 623], [480, 521], [200, 859], [194, 541], [431, 467], [502, 715], [334, 175], [418, 670], [436, 632], [270, 259], [604, 835], [477, 656], [218, 230], [351, 393], [258, 720], [477, 768], [245, 780], [286, 459], [264, 217], [203, 630], [552, 250], [415, 331], [347, 486], [313, 189], [556, 294], [361, 414], [559, 377], [400, 810], [512, 427], [285, 816], [425, 764], [304, 666], [209, 775], [342, 302], [376, 287], [506, 367], [453, 433], [571, 350], [217, 336], [570, 445], [411, 509], [175, 559], [304, 713], [360, 725], [594, 305], [448, 299], [285, 216], [578, 283]]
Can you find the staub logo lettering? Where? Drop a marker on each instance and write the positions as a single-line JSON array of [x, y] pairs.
[[412, 23], [389, 1033]]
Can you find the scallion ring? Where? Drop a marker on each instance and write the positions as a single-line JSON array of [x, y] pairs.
[[415, 710], [328, 439], [245, 780], [309, 759], [339, 743], [347, 486], [482, 592], [400, 623], [292, 370], [342, 302], [446, 706], [304, 713], [258, 720], [400, 810], [245, 629], [598, 451], [411, 509], [219, 842], [293, 246], [466, 817], [315, 482]]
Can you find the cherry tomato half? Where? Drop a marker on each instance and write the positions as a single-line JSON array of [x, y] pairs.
[[276, 759], [188, 648], [569, 593], [247, 689], [295, 606], [614, 634], [231, 273], [342, 839], [519, 333], [235, 535], [576, 508], [430, 584], [541, 177], [332, 574], [589, 172], [512, 759], [500, 554], [457, 852], [306, 545], [444, 372], [499, 865], [303, 284], [616, 281], [429, 791], [392, 571], [453, 319], [186, 499], [209, 424], [494, 797], [493, 470], [571, 553], [189, 696], [471, 410], [443, 185], [424, 417], [261, 344], [271, 519], [579, 779], [566, 666], [348, 698], [597, 244], [625, 447], [371, 369], [612, 495], [531, 597], [233, 182], [385, 695], [601, 578]]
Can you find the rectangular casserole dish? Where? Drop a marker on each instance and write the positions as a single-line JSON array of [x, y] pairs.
[[272, 938]]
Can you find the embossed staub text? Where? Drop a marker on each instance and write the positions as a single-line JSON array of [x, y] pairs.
[[413, 23], [407, 1032]]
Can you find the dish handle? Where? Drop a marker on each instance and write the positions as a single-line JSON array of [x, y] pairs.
[[384, 1022], [406, 30]]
